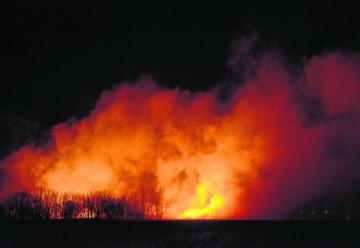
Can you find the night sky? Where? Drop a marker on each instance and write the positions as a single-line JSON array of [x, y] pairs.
[[56, 59]]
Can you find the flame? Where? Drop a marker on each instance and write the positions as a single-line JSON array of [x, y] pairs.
[[205, 205], [251, 156], [169, 148]]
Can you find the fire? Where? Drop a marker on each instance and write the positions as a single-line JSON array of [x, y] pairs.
[[174, 154], [170, 149], [205, 205]]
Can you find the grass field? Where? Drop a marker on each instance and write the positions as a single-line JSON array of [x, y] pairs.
[[101, 233]]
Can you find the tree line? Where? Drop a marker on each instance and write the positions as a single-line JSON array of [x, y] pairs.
[[46, 204]]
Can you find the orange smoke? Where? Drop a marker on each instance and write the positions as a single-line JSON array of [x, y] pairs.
[[144, 138], [252, 156]]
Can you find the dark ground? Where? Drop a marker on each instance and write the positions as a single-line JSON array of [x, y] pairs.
[[89, 233]]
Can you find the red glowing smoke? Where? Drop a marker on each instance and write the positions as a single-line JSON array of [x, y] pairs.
[[280, 139]]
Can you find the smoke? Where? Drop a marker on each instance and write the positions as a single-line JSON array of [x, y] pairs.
[[284, 135]]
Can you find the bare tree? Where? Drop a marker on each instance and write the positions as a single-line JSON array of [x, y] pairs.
[[70, 209], [23, 206], [47, 204]]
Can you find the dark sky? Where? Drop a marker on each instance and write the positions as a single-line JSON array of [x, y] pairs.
[[55, 59]]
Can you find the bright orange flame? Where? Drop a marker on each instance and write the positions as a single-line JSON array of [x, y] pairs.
[[252, 156], [205, 205], [190, 153], [168, 147]]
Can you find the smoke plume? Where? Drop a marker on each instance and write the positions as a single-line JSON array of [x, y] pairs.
[[284, 135]]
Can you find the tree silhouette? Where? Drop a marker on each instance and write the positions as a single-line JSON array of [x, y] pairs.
[[70, 209], [47, 204], [24, 206]]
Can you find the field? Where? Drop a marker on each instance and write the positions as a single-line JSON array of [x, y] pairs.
[[101, 233]]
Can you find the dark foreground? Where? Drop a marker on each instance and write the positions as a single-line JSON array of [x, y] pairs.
[[90, 233]]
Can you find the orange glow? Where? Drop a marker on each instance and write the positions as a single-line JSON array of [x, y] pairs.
[[183, 155], [205, 205], [169, 147]]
